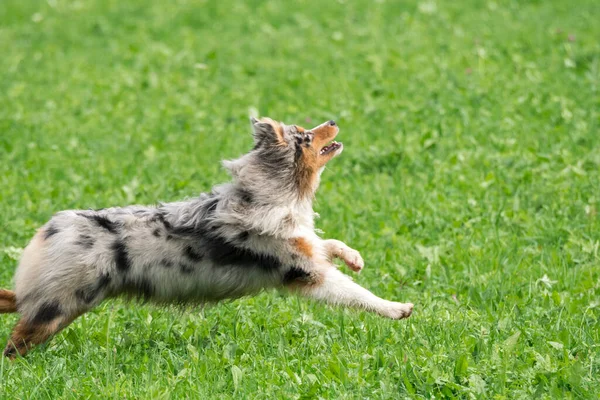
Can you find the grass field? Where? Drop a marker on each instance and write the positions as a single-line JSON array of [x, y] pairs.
[[470, 183]]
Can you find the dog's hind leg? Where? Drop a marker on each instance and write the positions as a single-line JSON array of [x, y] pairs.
[[28, 333], [8, 301], [332, 286]]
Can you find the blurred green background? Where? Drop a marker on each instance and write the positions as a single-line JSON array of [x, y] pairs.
[[469, 182]]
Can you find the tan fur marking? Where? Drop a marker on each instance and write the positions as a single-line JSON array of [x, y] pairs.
[[307, 172], [311, 161], [25, 334], [303, 246], [8, 301], [323, 134]]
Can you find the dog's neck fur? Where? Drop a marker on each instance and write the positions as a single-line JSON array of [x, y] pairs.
[[265, 201], [281, 218]]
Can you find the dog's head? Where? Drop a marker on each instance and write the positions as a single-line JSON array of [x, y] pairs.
[[287, 158]]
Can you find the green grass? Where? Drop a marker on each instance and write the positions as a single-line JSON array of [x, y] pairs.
[[470, 183]]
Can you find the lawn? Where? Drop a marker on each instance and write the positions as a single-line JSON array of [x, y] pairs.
[[469, 182]]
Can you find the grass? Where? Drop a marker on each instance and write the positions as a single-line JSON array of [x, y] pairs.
[[470, 183]]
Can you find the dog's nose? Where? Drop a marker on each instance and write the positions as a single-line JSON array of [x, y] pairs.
[[332, 122]]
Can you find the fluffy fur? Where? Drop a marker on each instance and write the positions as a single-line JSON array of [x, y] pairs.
[[254, 233]]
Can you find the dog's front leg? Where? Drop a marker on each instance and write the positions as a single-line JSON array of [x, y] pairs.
[[351, 257], [332, 286]]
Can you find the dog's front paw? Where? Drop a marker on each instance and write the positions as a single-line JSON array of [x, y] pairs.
[[395, 310], [352, 259]]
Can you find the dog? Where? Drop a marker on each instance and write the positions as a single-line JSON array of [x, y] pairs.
[[256, 232]]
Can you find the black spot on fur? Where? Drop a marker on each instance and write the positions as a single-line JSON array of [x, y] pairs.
[[106, 223], [223, 252], [243, 236], [295, 274], [186, 268], [258, 144], [47, 312], [298, 151], [211, 205], [103, 222], [141, 288], [104, 281], [160, 216], [169, 237], [246, 196], [85, 241], [88, 294], [192, 254], [51, 230], [156, 232], [182, 230], [121, 256], [166, 263], [220, 251], [145, 288]]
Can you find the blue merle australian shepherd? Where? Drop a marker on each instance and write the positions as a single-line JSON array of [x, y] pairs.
[[254, 233]]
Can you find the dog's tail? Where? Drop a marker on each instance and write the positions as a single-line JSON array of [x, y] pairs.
[[8, 301]]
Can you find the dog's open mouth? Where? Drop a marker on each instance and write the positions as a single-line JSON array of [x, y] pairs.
[[333, 146]]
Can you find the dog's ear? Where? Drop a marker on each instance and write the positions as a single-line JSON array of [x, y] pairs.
[[267, 131]]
